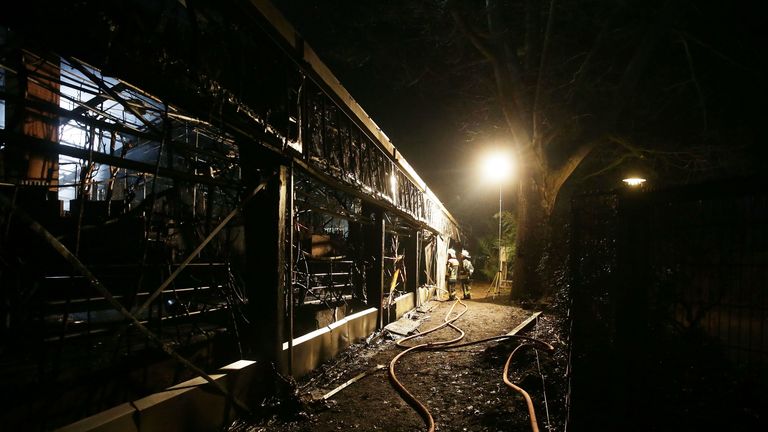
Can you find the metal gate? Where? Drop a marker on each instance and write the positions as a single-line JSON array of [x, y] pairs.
[[670, 308]]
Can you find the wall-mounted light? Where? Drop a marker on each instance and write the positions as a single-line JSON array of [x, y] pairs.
[[634, 181]]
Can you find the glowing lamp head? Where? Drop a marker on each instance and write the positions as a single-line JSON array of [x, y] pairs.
[[634, 181], [497, 166]]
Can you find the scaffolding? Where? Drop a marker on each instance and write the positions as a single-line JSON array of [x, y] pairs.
[[208, 192]]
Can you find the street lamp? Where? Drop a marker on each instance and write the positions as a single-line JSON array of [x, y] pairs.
[[635, 173], [497, 167], [634, 181]]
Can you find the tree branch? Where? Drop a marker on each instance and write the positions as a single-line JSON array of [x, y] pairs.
[[508, 57], [718, 53], [559, 176], [478, 42], [696, 84], [615, 163], [632, 74], [542, 62], [508, 99], [580, 75], [636, 67]]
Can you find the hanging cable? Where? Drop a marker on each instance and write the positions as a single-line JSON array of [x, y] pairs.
[[543, 382]]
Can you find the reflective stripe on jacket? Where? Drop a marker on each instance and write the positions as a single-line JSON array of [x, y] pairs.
[[453, 269]]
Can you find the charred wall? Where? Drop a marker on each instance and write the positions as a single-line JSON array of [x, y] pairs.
[[207, 180]]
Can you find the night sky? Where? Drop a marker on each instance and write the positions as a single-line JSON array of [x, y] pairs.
[[432, 93], [395, 68]]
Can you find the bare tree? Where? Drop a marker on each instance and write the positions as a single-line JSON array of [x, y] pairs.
[[568, 81], [562, 89]]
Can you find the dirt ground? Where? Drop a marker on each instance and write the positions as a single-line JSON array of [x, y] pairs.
[[462, 387]]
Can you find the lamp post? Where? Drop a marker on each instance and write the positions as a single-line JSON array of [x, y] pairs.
[[496, 168], [496, 287]]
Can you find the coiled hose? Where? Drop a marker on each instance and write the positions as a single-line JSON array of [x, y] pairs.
[[407, 395], [423, 411]]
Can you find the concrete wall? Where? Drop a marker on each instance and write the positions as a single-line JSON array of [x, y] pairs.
[[193, 406], [310, 350], [424, 294], [189, 406], [402, 304]]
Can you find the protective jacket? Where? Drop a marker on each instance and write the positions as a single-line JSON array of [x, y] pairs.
[[453, 269], [466, 272]]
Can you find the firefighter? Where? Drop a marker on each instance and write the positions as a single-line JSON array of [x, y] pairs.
[[465, 273], [452, 273]]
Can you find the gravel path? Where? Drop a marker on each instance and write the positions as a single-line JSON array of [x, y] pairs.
[[462, 387]]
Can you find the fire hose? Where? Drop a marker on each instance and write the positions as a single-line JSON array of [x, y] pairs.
[[452, 343]]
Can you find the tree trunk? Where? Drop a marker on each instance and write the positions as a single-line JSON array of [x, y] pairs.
[[532, 231]]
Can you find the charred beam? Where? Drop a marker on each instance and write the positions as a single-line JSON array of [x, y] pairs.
[[373, 253], [48, 147]]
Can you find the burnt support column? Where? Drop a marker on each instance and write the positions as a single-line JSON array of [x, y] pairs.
[[373, 253], [412, 259], [32, 89], [289, 277], [265, 241], [35, 83]]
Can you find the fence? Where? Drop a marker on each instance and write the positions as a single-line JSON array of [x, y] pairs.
[[669, 317]]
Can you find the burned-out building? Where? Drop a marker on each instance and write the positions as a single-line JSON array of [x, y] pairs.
[[184, 185]]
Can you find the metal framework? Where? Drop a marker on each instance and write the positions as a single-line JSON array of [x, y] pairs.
[[152, 176]]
